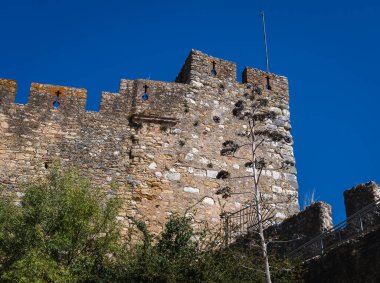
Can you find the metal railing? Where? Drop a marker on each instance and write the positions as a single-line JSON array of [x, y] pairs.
[[239, 224], [365, 220]]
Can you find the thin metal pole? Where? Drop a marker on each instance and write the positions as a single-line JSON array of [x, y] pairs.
[[361, 222], [265, 41], [321, 245], [227, 232]]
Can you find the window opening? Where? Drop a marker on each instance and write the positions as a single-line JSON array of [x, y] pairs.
[[56, 103], [268, 84], [213, 71], [145, 95]]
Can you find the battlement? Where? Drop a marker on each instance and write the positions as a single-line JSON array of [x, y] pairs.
[[266, 81], [46, 96], [359, 196], [148, 100], [202, 67], [8, 89], [312, 229]]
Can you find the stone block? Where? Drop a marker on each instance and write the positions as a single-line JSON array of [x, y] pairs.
[[191, 190]]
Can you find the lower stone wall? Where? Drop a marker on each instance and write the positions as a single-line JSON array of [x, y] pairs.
[[360, 196], [300, 228], [357, 260]]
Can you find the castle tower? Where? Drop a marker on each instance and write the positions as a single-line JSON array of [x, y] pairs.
[[160, 141]]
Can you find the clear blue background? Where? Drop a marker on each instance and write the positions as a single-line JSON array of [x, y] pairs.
[[329, 50]]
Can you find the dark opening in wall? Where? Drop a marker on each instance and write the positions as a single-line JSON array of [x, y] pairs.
[[47, 163], [145, 96], [213, 70], [56, 103], [130, 155], [268, 86]]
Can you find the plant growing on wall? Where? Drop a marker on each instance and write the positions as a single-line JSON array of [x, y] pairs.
[[253, 110]]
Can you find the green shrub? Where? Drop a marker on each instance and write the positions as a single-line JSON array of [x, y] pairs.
[[64, 228]]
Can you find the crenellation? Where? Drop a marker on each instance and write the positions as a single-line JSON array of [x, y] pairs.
[[113, 104], [162, 149], [200, 67], [359, 197], [8, 90], [47, 97], [154, 99]]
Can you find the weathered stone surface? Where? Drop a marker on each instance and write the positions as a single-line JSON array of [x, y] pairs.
[[172, 176], [191, 190], [164, 152], [200, 172], [301, 227], [212, 174], [276, 189], [208, 201], [152, 166], [359, 196], [356, 261]]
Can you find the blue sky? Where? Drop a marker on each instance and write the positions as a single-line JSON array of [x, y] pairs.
[[329, 50]]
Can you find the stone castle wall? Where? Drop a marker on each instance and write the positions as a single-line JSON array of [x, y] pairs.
[[160, 141], [357, 259]]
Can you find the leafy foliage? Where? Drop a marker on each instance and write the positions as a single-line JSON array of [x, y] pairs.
[[63, 229]]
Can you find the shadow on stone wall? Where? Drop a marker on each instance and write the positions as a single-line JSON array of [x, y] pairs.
[[357, 260]]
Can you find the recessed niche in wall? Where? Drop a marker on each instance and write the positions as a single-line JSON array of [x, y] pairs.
[[145, 96], [213, 70], [268, 84], [56, 103]]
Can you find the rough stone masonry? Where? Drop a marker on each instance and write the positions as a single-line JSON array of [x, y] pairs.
[[159, 141]]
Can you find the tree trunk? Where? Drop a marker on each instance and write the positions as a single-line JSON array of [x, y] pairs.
[[256, 189], [261, 233]]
